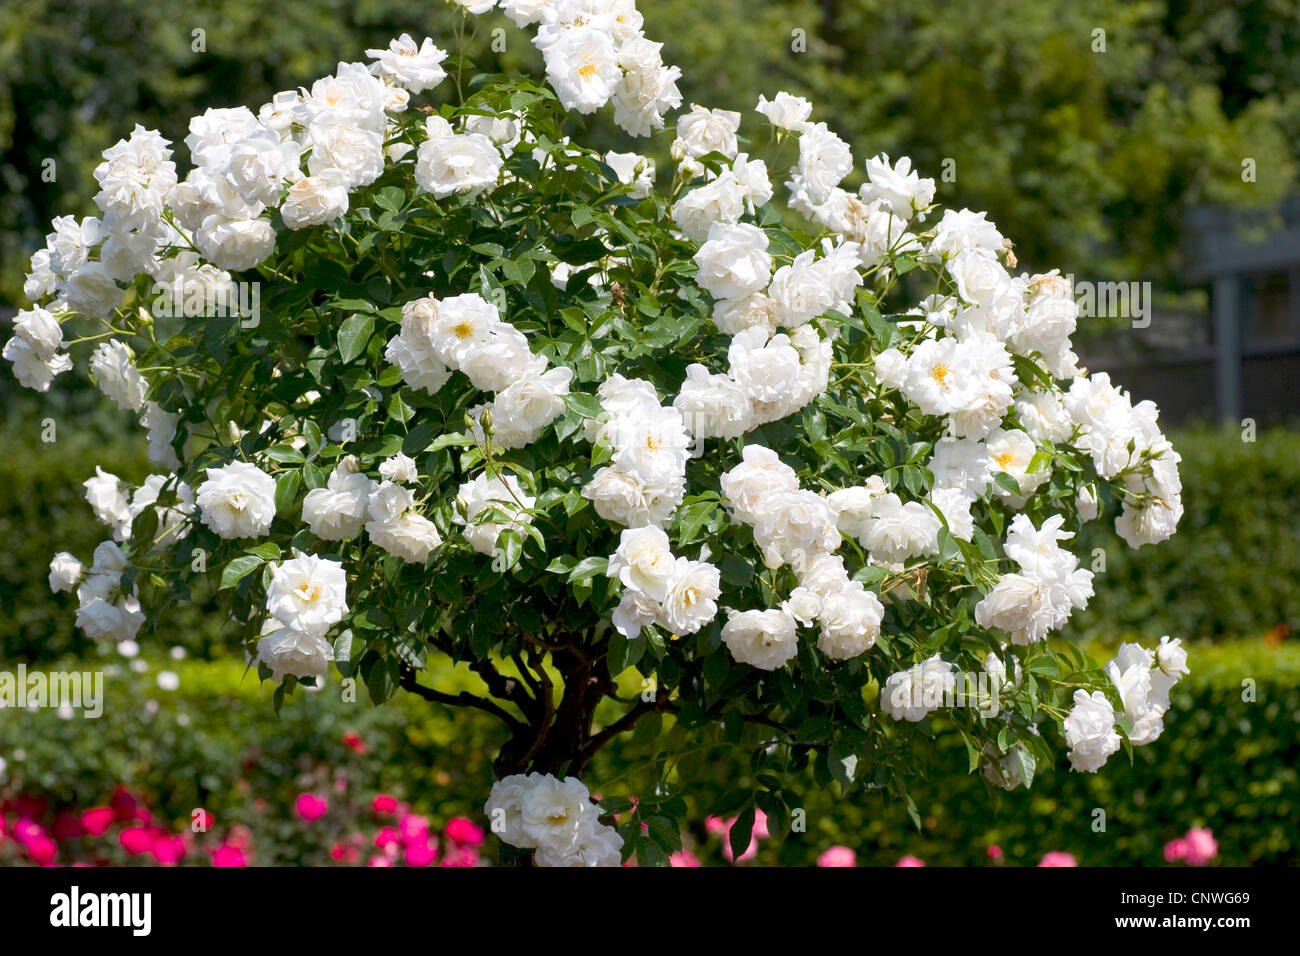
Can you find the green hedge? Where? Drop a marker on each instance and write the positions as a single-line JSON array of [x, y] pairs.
[[216, 742], [1233, 568]]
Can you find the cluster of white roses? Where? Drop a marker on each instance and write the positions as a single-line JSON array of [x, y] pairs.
[[306, 597], [649, 446], [1049, 586], [919, 690], [555, 817], [351, 500], [467, 333], [596, 52], [104, 611], [801, 528], [1144, 679], [659, 588]]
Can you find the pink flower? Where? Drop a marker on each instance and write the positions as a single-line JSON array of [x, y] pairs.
[[1058, 858], [383, 803], [464, 831], [838, 856], [379, 861], [25, 831], [910, 861], [168, 849], [228, 855], [715, 825], [123, 804], [43, 850], [354, 742], [1201, 846], [995, 852], [420, 854], [136, 840], [387, 837], [413, 828], [311, 807], [1176, 850], [684, 858], [204, 820], [461, 856]]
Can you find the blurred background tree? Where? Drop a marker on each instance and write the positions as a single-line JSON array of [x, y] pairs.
[[1085, 128]]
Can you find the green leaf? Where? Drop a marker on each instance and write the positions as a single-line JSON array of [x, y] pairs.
[[238, 569], [354, 333]]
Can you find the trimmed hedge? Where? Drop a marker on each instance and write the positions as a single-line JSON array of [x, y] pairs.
[[1223, 762], [1233, 568]]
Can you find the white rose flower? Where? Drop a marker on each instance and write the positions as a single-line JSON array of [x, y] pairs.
[[786, 111], [703, 131], [720, 201], [338, 511], [760, 474], [503, 494], [899, 531], [554, 813], [1090, 731], [790, 525], [898, 187], [314, 200], [633, 170], [464, 164], [762, 639], [522, 411], [918, 691], [30, 369], [410, 536], [92, 291], [691, 599], [236, 244], [635, 611], [113, 365], [237, 500], [41, 330], [358, 154], [712, 406], [399, 468], [107, 496], [307, 593], [289, 652], [734, 262], [582, 67], [643, 562], [850, 622], [414, 68], [65, 572]]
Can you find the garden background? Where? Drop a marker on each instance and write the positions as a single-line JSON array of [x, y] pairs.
[[1095, 159]]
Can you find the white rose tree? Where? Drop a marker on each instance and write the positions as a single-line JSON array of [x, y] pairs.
[[803, 462]]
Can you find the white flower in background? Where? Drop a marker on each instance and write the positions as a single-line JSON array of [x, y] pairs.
[[623, 498], [113, 365], [307, 593], [409, 536], [260, 166], [508, 500], [914, 693], [161, 427], [293, 653], [763, 639], [414, 68], [237, 500], [1130, 671], [955, 506], [786, 111], [34, 349], [314, 200], [635, 610], [1087, 503], [962, 230], [1012, 452], [107, 496], [65, 572], [475, 6], [790, 525], [703, 131], [525, 13], [751, 177], [853, 506], [961, 463], [633, 170], [239, 244], [1170, 666], [338, 511], [399, 468], [1090, 731], [733, 262]]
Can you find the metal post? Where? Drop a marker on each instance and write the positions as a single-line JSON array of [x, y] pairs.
[[1227, 346]]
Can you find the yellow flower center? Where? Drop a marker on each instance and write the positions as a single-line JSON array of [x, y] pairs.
[[940, 373], [308, 591], [463, 331], [653, 442], [586, 70], [1004, 460]]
